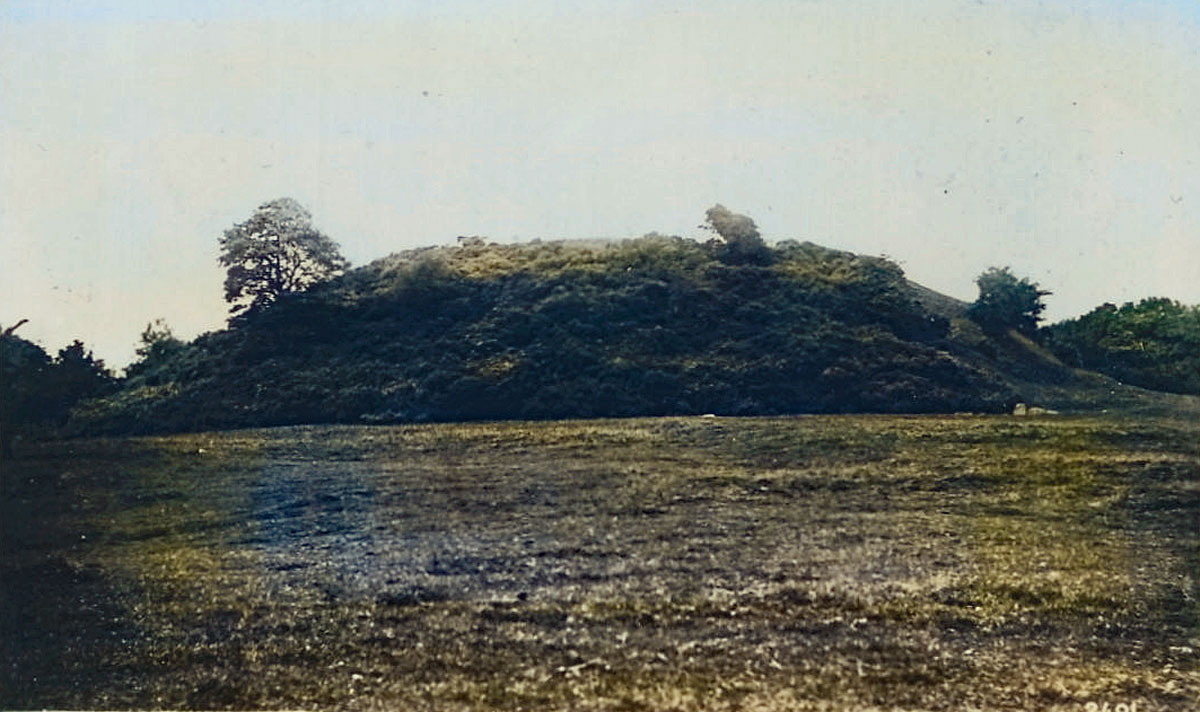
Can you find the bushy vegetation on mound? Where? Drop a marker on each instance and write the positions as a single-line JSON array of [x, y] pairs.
[[1154, 343], [650, 326]]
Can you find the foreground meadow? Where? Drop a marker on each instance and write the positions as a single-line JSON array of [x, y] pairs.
[[816, 563]]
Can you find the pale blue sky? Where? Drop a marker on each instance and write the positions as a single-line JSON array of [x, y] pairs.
[[1055, 137]]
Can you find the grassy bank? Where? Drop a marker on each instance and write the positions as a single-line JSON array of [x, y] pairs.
[[846, 563]]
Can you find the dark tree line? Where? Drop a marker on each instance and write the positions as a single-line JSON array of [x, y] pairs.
[[37, 391]]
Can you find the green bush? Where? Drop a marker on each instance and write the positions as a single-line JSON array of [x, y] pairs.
[[1154, 343]]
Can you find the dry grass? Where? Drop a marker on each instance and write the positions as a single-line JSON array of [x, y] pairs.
[[826, 563]]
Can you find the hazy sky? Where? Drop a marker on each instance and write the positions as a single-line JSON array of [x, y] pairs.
[[1059, 137]]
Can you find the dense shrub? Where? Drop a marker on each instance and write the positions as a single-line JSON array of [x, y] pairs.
[[1154, 343]]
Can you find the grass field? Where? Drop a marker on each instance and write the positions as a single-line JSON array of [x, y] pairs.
[[816, 563]]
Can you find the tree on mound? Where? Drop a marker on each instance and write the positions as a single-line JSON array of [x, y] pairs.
[[742, 242], [1006, 302], [276, 252], [156, 354]]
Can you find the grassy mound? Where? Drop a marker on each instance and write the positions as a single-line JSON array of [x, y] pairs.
[[653, 326]]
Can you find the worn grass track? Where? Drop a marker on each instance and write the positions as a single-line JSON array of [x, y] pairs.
[[824, 563]]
